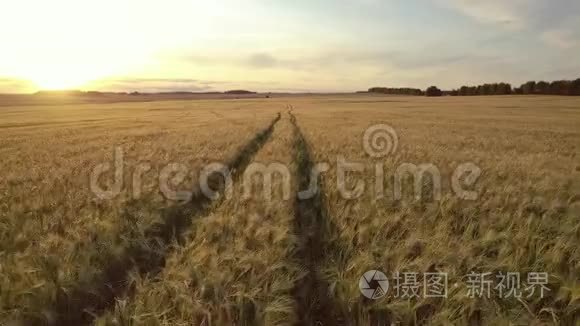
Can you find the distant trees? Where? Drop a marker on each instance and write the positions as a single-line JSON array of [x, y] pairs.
[[467, 91], [558, 87], [504, 89], [561, 87], [542, 87], [529, 87], [433, 91], [239, 92], [396, 91], [575, 87], [485, 89]]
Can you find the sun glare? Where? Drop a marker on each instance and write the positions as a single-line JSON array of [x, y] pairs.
[[73, 73], [59, 82]]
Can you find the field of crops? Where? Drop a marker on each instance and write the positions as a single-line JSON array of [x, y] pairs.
[[104, 220]]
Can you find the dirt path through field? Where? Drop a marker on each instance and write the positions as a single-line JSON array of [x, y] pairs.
[[148, 257], [315, 303]]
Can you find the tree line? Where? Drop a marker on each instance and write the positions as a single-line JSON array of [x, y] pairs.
[[396, 91], [485, 89], [558, 87]]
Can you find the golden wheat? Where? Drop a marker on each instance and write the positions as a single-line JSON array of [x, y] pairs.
[[258, 262]]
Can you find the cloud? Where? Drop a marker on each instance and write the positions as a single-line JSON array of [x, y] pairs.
[[554, 22], [561, 38], [152, 85], [537, 15], [257, 60], [356, 66], [263, 60], [565, 37], [415, 60], [510, 13], [348, 58]]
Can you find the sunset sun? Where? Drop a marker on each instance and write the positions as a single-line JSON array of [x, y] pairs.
[[65, 71], [60, 81]]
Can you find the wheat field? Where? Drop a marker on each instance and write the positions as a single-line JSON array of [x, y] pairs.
[[70, 255]]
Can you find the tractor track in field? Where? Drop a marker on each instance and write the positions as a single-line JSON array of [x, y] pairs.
[[80, 306], [315, 305]]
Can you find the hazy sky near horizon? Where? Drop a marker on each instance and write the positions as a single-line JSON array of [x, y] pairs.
[[276, 45]]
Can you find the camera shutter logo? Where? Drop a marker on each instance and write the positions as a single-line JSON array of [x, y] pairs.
[[374, 284]]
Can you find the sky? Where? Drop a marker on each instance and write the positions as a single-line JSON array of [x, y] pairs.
[[281, 45]]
